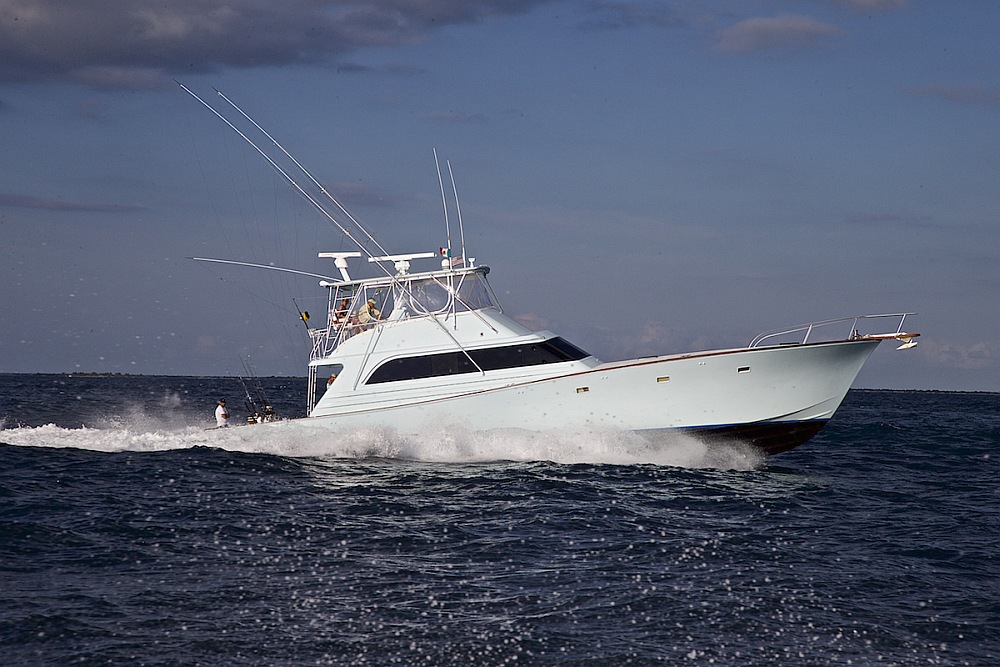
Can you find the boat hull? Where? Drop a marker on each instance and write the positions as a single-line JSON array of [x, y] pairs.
[[769, 437], [774, 398]]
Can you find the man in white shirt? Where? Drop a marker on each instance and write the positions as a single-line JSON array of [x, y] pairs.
[[221, 414]]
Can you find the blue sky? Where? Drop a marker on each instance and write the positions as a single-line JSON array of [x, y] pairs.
[[642, 177]]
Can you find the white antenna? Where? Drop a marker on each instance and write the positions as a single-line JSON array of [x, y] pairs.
[[458, 210], [340, 261], [402, 262], [444, 203]]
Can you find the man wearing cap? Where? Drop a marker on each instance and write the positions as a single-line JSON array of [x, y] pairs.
[[367, 314], [221, 414]]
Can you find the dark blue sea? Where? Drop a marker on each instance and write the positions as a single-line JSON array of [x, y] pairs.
[[132, 535]]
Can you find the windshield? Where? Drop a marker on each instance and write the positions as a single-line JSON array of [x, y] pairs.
[[435, 295]]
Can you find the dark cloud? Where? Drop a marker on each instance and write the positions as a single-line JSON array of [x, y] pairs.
[[116, 44], [23, 201], [763, 34]]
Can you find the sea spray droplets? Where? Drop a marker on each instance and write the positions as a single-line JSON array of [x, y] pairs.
[[441, 444]]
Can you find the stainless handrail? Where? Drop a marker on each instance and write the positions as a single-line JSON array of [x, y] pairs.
[[808, 329]]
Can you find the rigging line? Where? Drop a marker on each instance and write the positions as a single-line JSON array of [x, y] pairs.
[[250, 223], [258, 297], [305, 171], [292, 181], [277, 168], [404, 286], [204, 179], [216, 216]]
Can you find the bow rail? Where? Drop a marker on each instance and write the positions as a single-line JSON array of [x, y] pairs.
[[800, 334]]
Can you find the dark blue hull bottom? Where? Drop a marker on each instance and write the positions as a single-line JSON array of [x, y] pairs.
[[769, 437]]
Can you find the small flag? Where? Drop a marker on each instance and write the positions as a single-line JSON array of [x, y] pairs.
[[444, 252], [455, 261]]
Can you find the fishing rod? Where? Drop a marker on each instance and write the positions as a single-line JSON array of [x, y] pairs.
[[303, 315], [259, 414], [248, 402], [258, 387]]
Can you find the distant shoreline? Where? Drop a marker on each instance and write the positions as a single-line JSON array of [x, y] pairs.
[[97, 375], [155, 375]]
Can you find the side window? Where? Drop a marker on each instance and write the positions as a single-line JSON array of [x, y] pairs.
[[325, 377], [490, 359]]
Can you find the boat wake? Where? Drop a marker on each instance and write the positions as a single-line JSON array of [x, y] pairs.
[[444, 444]]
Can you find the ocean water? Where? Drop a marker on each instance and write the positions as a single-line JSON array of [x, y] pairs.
[[132, 535]]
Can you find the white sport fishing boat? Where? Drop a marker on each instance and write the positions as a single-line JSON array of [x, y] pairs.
[[438, 350], [418, 350]]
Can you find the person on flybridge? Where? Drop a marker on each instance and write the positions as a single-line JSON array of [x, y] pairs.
[[221, 414], [340, 314], [367, 314]]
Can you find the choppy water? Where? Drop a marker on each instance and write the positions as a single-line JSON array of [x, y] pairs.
[[130, 535]]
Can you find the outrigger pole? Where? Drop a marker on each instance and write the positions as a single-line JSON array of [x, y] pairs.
[[306, 172], [458, 211], [444, 205], [319, 207], [263, 266]]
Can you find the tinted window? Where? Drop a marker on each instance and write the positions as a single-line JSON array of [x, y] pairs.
[[551, 351]]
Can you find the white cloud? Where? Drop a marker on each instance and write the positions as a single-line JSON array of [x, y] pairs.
[[970, 356], [762, 34]]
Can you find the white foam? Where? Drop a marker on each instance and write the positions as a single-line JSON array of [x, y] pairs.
[[297, 438]]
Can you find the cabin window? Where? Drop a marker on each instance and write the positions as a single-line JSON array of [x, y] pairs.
[[552, 351]]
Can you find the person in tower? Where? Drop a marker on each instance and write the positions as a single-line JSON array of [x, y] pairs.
[[368, 314]]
